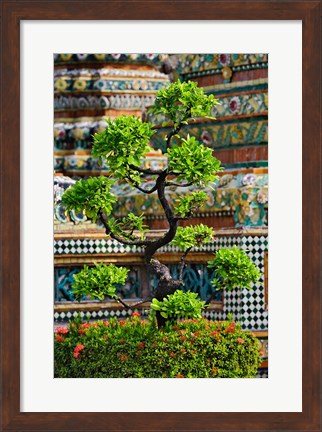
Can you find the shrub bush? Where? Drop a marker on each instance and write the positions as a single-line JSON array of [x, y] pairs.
[[135, 348]]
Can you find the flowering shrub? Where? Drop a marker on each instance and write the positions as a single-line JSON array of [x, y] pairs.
[[135, 348]]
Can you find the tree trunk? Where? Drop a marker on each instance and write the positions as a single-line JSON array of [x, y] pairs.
[[164, 288]]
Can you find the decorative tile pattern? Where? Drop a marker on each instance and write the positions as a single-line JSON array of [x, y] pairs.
[[191, 65], [108, 73], [65, 316], [246, 306], [93, 85], [221, 134], [153, 59], [79, 164], [91, 246], [116, 102], [76, 135], [244, 195]]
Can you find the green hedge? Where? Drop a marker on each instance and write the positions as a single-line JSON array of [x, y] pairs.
[[135, 348]]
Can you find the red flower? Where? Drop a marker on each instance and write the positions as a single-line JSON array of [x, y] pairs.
[[215, 333], [80, 331], [122, 323], [61, 330], [77, 350], [183, 338], [179, 376], [172, 354], [231, 328], [136, 314], [59, 338], [85, 325], [240, 340], [123, 357], [106, 323], [141, 345], [164, 339]]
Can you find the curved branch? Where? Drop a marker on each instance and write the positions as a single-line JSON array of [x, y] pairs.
[[157, 244], [131, 306], [173, 222], [145, 170], [178, 184], [162, 198], [172, 133], [178, 128], [103, 219], [149, 191]]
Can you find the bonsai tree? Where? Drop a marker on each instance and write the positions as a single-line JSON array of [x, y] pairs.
[[123, 145]]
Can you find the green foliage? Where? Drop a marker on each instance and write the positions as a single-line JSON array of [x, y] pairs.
[[137, 349], [233, 269], [91, 195], [127, 225], [179, 305], [124, 142], [188, 204], [193, 236], [182, 101], [99, 281], [193, 162]]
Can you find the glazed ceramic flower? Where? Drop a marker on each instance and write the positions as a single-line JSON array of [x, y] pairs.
[[61, 84], [234, 104], [99, 84], [70, 161], [262, 196], [224, 59], [66, 57], [136, 85], [225, 179], [81, 56], [249, 179], [58, 193], [99, 56], [78, 133], [206, 137], [80, 84], [59, 133]]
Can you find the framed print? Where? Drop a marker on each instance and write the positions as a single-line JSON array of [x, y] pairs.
[[32, 32]]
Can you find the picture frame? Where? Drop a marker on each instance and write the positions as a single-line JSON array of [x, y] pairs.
[[14, 12]]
